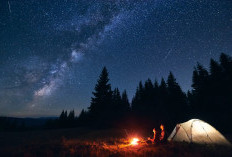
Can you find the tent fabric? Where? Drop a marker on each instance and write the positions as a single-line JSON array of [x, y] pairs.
[[197, 131]]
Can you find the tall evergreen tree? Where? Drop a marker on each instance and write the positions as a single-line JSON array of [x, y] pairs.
[[200, 93], [100, 109], [215, 69], [116, 105], [156, 84], [62, 122], [62, 116], [226, 63], [83, 118], [176, 100], [65, 115], [82, 115], [148, 94], [148, 103], [215, 88], [162, 94], [137, 100], [163, 85], [203, 74], [71, 115], [125, 102], [226, 90], [195, 80], [116, 97]]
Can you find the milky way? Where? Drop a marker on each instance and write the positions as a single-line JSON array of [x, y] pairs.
[[52, 52]]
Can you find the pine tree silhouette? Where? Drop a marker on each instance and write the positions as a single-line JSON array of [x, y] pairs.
[[116, 105], [125, 103], [176, 100], [71, 115], [100, 109], [137, 99], [162, 110]]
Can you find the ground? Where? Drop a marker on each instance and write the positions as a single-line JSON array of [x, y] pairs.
[[97, 143]]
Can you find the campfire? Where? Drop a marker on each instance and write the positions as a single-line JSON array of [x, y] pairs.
[[138, 141], [134, 141]]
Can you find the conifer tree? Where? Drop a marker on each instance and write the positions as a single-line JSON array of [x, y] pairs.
[[176, 100], [226, 63], [156, 84], [125, 102], [101, 104], [65, 115], [116, 105], [116, 97], [62, 115], [202, 73], [215, 69], [137, 100], [82, 114], [71, 115], [195, 80]]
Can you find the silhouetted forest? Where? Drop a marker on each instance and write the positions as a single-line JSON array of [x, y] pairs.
[[159, 102], [211, 96], [22, 124]]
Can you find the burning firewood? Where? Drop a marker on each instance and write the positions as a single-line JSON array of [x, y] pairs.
[[134, 141]]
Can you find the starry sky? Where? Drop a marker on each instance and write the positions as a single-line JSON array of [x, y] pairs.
[[52, 51]]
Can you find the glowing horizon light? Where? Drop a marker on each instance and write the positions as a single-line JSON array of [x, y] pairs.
[[134, 141]]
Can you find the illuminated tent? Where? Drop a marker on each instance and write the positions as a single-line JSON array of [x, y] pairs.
[[197, 131]]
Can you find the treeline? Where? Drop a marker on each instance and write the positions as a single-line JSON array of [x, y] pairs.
[[162, 102], [7, 124], [22, 124], [65, 120], [211, 95], [107, 106]]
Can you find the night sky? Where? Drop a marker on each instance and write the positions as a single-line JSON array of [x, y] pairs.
[[52, 52]]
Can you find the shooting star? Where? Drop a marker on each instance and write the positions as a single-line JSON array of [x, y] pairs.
[[167, 55], [9, 6], [169, 52]]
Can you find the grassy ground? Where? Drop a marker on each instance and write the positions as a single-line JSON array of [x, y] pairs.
[[101, 143]]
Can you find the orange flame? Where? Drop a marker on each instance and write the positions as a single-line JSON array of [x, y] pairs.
[[134, 141]]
